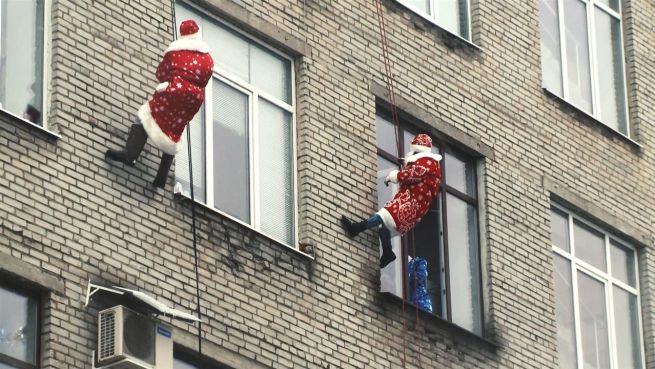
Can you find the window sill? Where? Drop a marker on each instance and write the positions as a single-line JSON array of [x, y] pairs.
[[451, 330], [5, 115], [592, 121], [181, 197], [451, 39]]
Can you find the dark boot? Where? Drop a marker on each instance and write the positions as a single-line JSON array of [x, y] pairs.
[[387, 251], [162, 173], [136, 140], [353, 229]]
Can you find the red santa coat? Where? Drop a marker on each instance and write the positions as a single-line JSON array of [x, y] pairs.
[[183, 74], [419, 184]]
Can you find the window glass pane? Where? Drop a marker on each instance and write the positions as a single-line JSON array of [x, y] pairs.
[[610, 71], [391, 277], [453, 16], [21, 58], [271, 73], [623, 264], [593, 323], [385, 135], [559, 224], [426, 240], [460, 174], [385, 193], [551, 58], [231, 156], [626, 321], [229, 50], [614, 4], [18, 326], [577, 53], [197, 127], [422, 6], [566, 346], [179, 364], [275, 172], [589, 245], [463, 264]]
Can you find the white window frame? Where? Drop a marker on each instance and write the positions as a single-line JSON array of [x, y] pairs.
[[606, 279], [45, 70], [593, 67], [432, 16], [254, 94]]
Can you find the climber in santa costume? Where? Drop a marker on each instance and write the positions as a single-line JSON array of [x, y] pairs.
[[419, 183], [183, 74]]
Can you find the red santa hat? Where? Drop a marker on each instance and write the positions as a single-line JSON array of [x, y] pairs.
[[421, 143], [190, 38], [189, 30]]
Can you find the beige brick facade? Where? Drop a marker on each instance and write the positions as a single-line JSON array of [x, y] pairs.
[[69, 216]]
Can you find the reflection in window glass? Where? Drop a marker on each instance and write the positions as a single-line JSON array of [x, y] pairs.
[[577, 54], [593, 322], [565, 316], [460, 174], [551, 58], [589, 245], [559, 224], [463, 263], [626, 316], [610, 69], [21, 58], [623, 264], [18, 324]]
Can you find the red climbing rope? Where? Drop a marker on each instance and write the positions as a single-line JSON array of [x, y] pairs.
[[396, 123]]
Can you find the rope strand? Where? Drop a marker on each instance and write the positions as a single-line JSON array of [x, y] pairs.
[[193, 206], [394, 115]]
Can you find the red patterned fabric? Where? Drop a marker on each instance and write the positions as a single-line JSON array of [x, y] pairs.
[[183, 72], [187, 73], [419, 184]]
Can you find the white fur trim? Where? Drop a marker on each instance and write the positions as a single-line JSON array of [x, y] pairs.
[[188, 44], [161, 87], [155, 134], [393, 176], [420, 148], [193, 36], [388, 221], [415, 157]]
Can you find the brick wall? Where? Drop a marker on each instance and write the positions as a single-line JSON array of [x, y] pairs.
[[73, 215]]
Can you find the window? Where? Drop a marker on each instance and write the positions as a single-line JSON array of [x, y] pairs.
[[181, 364], [19, 334], [582, 57], [596, 296], [446, 237], [21, 58], [184, 359], [242, 140], [452, 15]]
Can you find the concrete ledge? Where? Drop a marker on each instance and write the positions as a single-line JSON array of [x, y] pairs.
[[14, 268], [239, 16], [212, 352], [563, 195], [424, 120]]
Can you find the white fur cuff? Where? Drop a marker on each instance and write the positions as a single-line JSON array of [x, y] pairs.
[[393, 176], [155, 134], [161, 87]]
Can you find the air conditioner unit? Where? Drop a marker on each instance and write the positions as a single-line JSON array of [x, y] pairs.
[[128, 340]]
